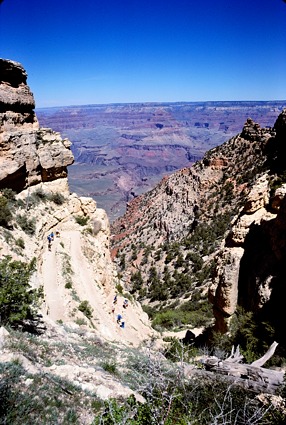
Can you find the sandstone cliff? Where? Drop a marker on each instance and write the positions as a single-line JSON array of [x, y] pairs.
[[29, 155]]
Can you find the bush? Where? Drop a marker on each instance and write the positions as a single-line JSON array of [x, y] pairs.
[[191, 313], [167, 319], [151, 311], [9, 194], [20, 242], [28, 226], [136, 281], [57, 198], [47, 400], [119, 288], [110, 368], [86, 309], [40, 194], [5, 213], [82, 221], [80, 321], [17, 300], [171, 399]]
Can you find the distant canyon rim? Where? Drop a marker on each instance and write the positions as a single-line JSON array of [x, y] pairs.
[[124, 150]]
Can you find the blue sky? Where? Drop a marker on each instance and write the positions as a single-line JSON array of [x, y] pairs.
[[106, 51]]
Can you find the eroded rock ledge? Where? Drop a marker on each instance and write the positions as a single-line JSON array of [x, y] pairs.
[[29, 154]]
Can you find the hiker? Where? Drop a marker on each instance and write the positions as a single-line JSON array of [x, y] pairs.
[[125, 303], [119, 318], [57, 234], [115, 299], [113, 309], [49, 242], [52, 236], [122, 325]]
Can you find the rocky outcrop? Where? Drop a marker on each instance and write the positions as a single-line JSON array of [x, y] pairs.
[[29, 155], [15, 95], [250, 268]]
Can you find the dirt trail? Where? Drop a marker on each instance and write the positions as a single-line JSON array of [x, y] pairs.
[[60, 303], [54, 295]]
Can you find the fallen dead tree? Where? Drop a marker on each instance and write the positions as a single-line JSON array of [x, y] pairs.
[[251, 376]]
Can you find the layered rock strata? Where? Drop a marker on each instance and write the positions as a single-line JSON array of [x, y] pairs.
[[29, 155]]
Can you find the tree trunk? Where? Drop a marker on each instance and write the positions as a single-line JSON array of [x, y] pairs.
[[251, 376]]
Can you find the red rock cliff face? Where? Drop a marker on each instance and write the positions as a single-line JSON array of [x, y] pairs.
[[28, 154]]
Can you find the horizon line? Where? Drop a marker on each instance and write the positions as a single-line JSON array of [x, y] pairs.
[[161, 103]]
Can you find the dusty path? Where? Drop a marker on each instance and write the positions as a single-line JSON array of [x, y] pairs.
[[54, 294], [62, 303]]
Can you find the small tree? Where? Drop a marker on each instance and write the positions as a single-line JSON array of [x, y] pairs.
[[5, 213], [17, 300], [86, 309]]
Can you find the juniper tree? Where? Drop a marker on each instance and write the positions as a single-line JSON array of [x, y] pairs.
[[18, 301]]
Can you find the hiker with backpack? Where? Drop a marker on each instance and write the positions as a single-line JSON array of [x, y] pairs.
[[119, 318], [49, 242]]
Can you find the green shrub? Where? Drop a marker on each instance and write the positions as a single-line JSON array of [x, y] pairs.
[[167, 319], [28, 226], [9, 194], [40, 195], [20, 242], [86, 309], [80, 321], [57, 198], [119, 288], [5, 213], [195, 314], [44, 401], [151, 311], [17, 300], [88, 231], [177, 351], [110, 367], [82, 221], [136, 281], [67, 266]]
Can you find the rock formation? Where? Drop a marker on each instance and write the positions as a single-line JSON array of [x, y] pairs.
[[256, 247], [29, 155]]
